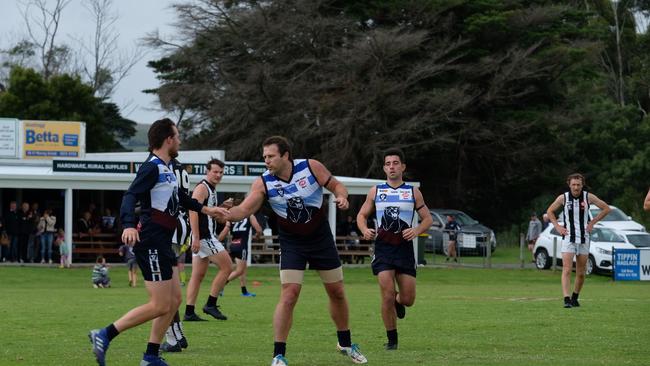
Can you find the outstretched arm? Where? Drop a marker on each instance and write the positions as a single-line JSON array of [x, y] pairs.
[[251, 203]]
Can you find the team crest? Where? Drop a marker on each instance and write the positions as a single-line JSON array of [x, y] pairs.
[[383, 196], [280, 191]]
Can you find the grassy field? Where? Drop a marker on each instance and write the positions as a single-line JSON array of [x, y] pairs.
[[461, 317]]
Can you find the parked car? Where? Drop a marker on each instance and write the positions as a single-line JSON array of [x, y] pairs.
[[616, 219], [600, 248], [635, 238], [473, 237]]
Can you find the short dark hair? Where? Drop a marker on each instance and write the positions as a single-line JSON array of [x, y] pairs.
[[393, 151], [159, 131], [576, 176], [214, 161], [281, 142], [99, 259]]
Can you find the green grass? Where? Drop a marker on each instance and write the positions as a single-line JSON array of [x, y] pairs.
[[461, 317], [502, 255]]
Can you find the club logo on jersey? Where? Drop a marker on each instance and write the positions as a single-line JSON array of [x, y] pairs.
[[280, 191], [383, 196], [297, 212], [391, 221]]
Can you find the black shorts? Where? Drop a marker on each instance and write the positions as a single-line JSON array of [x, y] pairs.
[[238, 251], [319, 258], [155, 262], [379, 266]]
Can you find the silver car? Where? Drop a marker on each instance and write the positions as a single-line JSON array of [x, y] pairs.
[[472, 238]]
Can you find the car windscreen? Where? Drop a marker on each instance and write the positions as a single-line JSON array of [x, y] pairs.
[[606, 235], [639, 240], [614, 215], [463, 219]]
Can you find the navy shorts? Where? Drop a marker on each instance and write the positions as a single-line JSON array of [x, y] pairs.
[[321, 258], [379, 266], [238, 251], [154, 253]]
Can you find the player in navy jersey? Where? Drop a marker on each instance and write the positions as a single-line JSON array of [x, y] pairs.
[[395, 204], [240, 234], [156, 188], [575, 232], [294, 189]]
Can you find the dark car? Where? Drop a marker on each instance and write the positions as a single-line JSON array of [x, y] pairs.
[[472, 238]]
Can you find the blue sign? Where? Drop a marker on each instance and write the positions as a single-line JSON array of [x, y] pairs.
[[627, 264]]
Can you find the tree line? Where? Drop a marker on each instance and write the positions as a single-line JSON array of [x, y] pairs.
[[494, 102]]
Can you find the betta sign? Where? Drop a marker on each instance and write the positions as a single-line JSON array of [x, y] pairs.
[[52, 139]]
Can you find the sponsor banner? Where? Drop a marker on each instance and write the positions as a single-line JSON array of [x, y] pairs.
[[85, 166], [631, 264], [9, 138], [48, 139]]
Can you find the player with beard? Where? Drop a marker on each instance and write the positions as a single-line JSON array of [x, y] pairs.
[[395, 204], [156, 188]]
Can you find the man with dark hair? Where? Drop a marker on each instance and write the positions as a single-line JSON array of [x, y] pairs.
[[395, 204], [294, 189], [156, 188], [206, 247], [575, 230]]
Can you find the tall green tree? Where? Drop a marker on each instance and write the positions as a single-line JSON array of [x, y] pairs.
[[64, 97]]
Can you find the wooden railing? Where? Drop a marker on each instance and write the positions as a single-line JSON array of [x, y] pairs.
[[91, 245]]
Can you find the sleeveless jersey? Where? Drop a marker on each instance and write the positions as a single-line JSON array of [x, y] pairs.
[[240, 232], [208, 225], [298, 203], [394, 210], [576, 216]]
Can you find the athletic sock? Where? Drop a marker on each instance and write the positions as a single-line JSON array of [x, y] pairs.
[[279, 348], [152, 349], [111, 332], [189, 309], [244, 290], [183, 277], [345, 338], [574, 296], [392, 336], [177, 318], [212, 301]]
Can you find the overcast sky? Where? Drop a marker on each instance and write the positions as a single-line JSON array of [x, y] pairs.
[[136, 19]]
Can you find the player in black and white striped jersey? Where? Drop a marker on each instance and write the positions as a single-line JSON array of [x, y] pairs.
[[575, 230]]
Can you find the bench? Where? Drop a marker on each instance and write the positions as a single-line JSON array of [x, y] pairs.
[[88, 247]]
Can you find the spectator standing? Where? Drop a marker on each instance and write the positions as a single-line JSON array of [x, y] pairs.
[[48, 222], [452, 228], [63, 249], [25, 227], [108, 221], [33, 239], [534, 229], [12, 227]]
